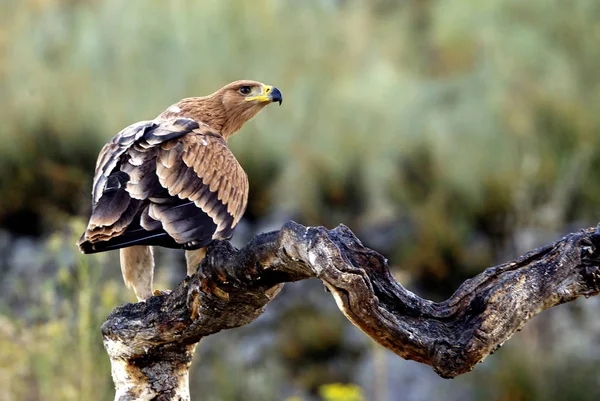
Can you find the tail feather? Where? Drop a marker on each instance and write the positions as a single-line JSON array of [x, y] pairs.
[[158, 238], [193, 226]]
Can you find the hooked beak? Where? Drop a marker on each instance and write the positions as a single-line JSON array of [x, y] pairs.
[[274, 94], [270, 94]]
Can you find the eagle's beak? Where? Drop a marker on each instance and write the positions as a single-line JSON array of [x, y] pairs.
[[274, 94], [270, 94]]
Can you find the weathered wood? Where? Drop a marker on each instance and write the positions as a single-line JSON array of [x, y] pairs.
[[151, 344]]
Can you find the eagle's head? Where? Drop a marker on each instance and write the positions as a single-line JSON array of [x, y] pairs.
[[247, 95], [242, 100], [229, 108]]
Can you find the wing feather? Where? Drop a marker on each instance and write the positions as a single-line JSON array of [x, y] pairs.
[[171, 183], [205, 172]]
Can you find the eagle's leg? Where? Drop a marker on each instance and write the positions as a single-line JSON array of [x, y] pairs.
[[137, 266], [193, 259]]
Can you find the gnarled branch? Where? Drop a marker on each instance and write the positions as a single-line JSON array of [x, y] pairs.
[[151, 344]]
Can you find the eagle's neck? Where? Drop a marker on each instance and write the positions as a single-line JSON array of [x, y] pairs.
[[212, 112]]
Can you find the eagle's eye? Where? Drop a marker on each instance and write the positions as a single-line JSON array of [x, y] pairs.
[[245, 90]]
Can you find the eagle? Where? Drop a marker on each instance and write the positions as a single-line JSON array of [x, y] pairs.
[[173, 182]]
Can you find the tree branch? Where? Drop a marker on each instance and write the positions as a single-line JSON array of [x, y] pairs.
[[151, 344]]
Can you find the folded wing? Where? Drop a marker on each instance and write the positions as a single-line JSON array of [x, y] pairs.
[[172, 183]]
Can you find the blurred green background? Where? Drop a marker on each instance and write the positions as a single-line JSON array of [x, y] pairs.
[[448, 135]]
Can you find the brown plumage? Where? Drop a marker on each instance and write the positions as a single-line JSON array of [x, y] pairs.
[[173, 181]]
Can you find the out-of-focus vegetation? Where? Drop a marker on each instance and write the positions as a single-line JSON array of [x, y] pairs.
[[447, 135], [52, 348], [469, 120]]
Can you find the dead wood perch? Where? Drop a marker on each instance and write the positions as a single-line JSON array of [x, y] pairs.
[[151, 344]]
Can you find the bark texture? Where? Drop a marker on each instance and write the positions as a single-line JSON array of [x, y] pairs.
[[151, 344]]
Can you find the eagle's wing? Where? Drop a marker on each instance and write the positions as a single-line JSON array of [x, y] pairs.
[[173, 183]]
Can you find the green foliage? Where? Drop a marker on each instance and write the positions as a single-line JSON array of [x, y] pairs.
[[528, 371], [461, 117], [54, 350]]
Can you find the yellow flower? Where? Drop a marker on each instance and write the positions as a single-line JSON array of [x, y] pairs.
[[341, 392]]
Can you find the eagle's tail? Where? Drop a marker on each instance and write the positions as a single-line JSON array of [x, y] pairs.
[[128, 238]]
